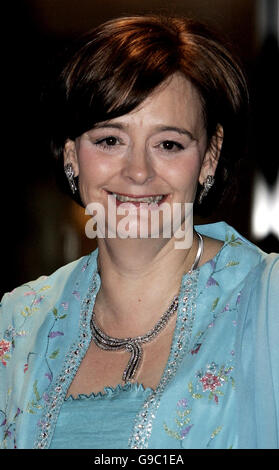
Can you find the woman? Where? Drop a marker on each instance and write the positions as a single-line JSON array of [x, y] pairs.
[[141, 343]]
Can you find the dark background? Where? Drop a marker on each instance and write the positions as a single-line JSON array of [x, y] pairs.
[[42, 229]]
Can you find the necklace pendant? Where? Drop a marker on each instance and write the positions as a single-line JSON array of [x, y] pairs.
[[136, 355]]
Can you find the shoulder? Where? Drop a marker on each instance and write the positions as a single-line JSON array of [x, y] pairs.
[[41, 293], [239, 269], [235, 249]]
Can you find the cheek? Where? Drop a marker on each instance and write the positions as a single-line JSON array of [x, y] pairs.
[[93, 168], [184, 174]]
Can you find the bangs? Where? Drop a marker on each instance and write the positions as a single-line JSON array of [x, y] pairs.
[[106, 80]]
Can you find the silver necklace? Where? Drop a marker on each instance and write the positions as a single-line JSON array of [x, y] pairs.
[[134, 345]]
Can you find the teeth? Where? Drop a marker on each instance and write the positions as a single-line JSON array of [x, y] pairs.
[[149, 200]]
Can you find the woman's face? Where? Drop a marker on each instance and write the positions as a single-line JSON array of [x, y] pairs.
[[159, 149]]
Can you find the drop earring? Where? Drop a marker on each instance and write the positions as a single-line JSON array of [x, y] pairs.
[[69, 172], [207, 185]]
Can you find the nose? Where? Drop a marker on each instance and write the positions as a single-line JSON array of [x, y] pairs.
[[138, 168]]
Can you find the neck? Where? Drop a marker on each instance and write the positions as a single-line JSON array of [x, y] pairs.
[[139, 280]]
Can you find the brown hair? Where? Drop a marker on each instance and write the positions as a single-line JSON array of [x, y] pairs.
[[114, 67]]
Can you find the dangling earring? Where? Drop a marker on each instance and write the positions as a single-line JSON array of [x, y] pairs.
[[207, 185], [69, 172]]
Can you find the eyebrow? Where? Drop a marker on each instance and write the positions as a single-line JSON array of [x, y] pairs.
[[176, 129], [121, 126]]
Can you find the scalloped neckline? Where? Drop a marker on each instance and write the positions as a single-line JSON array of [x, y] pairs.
[[111, 391]]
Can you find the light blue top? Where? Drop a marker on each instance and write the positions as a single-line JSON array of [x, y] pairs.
[[220, 387], [101, 421]]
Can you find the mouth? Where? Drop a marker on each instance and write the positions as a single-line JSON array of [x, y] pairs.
[[136, 200]]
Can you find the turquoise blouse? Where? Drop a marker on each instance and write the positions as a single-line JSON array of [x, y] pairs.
[[219, 389], [102, 421]]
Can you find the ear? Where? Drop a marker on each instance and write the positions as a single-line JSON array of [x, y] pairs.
[[70, 155], [212, 155]]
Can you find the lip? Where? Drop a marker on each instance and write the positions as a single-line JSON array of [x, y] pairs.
[[137, 204], [136, 195]]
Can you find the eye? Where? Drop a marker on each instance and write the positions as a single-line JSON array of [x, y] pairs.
[[107, 142], [171, 146]]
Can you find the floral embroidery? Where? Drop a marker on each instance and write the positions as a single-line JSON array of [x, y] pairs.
[[210, 381], [238, 297], [9, 429], [233, 241], [215, 303], [53, 334], [29, 311], [196, 348], [8, 343], [30, 292], [211, 282], [54, 354], [226, 308], [76, 294], [5, 347], [44, 288], [207, 382], [200, 335], [37, 402], [214, 434], [37, 301], [182, 421], [213, 379], [57, 317]]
